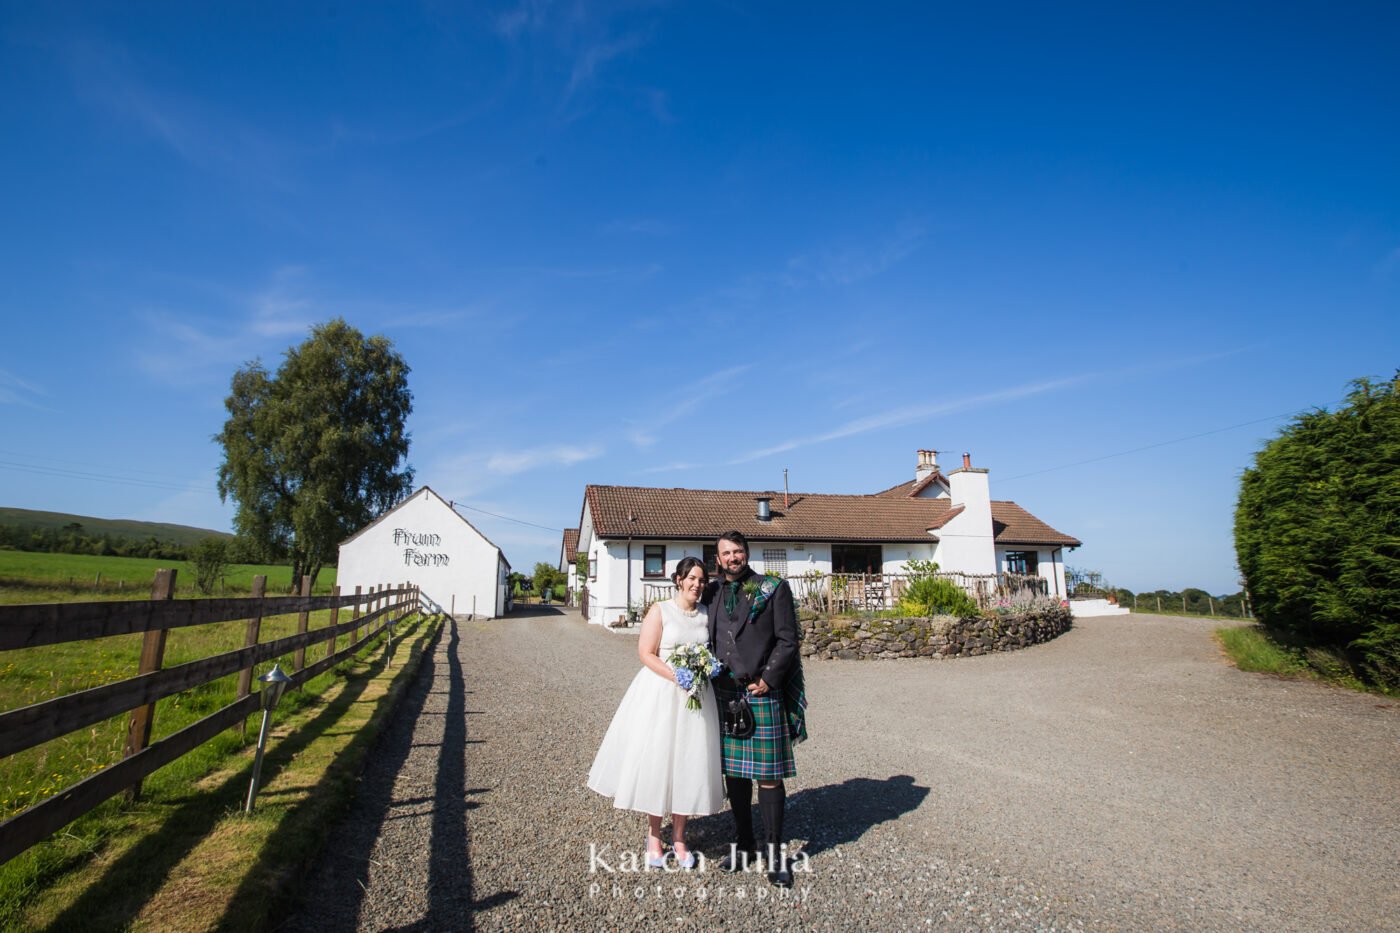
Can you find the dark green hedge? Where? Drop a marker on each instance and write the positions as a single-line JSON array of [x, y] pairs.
[[1317, 529]]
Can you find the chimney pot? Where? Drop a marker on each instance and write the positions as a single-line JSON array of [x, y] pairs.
[[967, 461], [765, 512]]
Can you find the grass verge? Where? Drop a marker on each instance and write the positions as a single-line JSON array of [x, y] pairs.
[[1251, 648], [185, 857]]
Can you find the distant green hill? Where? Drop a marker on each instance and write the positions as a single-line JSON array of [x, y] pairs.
[[182, 535]]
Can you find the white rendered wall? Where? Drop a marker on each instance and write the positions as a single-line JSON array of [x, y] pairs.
[[448, 558], [965, 543], [1049, 564]]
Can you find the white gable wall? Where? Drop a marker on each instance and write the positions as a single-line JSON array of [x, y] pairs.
[[424, 541]]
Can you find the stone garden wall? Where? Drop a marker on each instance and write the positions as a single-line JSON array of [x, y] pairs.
[[941, 636]]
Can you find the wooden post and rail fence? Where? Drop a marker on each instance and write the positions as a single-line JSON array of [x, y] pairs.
[[835, 593], [37, 625]]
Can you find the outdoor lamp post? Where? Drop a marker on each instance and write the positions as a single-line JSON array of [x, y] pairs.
[[274, 684]]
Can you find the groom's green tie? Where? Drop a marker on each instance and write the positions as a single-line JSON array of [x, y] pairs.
[[731, 596]]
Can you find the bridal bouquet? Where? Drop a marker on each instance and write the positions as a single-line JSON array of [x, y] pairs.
[[693, 664]]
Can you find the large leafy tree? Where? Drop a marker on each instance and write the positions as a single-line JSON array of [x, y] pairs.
[[1317, 528], [318, 449]]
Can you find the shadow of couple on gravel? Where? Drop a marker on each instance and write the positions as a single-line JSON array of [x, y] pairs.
[[825, 817]]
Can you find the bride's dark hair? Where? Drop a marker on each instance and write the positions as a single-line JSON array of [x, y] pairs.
[[685, 566]]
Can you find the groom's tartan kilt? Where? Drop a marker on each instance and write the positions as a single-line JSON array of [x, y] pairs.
[[767, 754]]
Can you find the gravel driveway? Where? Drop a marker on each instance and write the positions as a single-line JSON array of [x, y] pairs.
[[1120, 777]]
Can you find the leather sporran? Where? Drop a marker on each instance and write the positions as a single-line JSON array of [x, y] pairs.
[[737, 721]]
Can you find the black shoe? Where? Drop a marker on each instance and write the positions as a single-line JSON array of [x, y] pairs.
[[780, 876], [739, 859]]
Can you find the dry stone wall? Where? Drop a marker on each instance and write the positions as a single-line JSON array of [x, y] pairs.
[[939, 637]]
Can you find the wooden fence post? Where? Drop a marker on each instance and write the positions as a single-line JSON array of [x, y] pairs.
[[250, 638], [138, 730], [335, 619], [355, 632], [303, 619]]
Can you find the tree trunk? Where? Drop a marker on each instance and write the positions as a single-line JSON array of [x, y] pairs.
[[315, 571]]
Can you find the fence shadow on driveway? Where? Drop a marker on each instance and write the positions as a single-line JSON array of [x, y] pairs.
[[345, 876]]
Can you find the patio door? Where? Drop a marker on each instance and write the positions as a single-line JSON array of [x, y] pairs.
[[857, 558]]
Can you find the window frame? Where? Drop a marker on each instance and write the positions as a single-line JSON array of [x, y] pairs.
[[1029, 562], [647, 555]]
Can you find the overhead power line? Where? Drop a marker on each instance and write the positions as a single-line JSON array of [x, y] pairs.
[[1175, 440], [100, 477], [518, 521]]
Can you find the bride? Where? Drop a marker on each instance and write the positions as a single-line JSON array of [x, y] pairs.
[[659, 757]]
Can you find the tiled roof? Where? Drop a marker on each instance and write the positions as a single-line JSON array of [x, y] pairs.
[[1012, 524], [648, 512], [913, 487], [570, 544]]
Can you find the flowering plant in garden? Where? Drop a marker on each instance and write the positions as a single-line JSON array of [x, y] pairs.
[[693, 664]]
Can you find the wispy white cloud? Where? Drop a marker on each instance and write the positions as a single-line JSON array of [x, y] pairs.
[[1389, 264], [17, 391], [687, 400], [673, 467], [595, 54], [510, 462], [847, 265], [910, 414], [587, 39], [643, 226], [283, 307], [524, 16], [106, 76]]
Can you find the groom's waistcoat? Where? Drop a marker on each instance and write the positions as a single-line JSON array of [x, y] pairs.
[[767, 647]]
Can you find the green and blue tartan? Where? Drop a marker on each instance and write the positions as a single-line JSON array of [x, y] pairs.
[[767, 754]]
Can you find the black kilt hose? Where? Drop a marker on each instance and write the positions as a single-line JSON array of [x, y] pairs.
[[754, 634]]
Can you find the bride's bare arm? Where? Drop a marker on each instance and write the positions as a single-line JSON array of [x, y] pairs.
[[649, 644]]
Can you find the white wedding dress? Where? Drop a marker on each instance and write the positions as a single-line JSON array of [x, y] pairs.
[[659, 757]]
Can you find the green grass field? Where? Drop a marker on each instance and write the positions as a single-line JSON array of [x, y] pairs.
[[32, 675], [34, 577]]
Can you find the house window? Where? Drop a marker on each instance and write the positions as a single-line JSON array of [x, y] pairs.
[[857, 558], [1027, 562], [775, 561], [710, 554], [593, 568], [654, 560]]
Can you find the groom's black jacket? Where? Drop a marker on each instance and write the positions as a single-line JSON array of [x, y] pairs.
[[766, 647]]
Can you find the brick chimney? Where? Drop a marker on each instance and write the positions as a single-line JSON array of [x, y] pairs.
[[927, 465]]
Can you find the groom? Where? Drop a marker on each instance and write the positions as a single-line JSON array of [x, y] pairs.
[[753, 630]]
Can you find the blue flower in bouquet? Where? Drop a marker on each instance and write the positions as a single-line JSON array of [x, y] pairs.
[[684, 678]]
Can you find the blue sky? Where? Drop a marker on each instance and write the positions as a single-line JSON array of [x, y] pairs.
[[692, 245]]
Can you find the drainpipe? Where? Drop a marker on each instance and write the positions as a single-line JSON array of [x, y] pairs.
[[1054, 570], [629, 573]]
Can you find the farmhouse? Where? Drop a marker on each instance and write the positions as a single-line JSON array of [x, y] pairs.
[[424, 540], [634, 536], [568, 551]]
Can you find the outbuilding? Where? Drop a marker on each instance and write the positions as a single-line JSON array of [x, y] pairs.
[[424, 540]]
